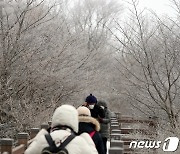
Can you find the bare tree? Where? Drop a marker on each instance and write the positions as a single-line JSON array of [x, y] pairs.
[[30, 82], [149, 61], [47, 49]]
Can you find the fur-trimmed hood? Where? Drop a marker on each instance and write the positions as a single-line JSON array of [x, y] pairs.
[[88, 119]]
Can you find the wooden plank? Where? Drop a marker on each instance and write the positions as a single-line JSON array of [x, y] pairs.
[[136, 130], [116, 150], [135, 121], [116, 143]]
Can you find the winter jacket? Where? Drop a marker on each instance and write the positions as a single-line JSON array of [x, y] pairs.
[[104, 122], [89, 124], [65, 115], [97, 112]]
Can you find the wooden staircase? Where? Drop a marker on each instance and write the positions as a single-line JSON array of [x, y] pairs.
[[125, 129]]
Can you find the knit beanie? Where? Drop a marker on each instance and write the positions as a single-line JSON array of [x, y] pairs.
[[91, 99], [83, 111]]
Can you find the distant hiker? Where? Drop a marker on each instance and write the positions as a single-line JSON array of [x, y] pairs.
[[104, 123], [91, 126], [64, 124], [96, 111]]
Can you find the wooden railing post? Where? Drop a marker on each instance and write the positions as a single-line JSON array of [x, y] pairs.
[[34, 132], [118, 115], [44, 126], [6, 145], [49, 123], [153, 123], [23, 139]]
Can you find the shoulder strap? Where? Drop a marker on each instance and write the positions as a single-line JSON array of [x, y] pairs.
[[62, 146], [68, 139], [50, 140], [92, 133]]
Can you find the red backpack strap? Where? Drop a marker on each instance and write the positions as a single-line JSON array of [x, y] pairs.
[[92, 133]]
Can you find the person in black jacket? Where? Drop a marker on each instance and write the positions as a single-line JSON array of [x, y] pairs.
[[91, 126], [96, 111], [105, 123]]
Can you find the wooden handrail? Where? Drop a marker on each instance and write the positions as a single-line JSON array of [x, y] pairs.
[[19, 149], [23, 143]]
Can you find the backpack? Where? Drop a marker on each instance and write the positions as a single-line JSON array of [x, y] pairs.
[[53, 149]]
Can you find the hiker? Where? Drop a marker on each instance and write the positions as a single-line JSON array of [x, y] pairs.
[[91, 126], [64, 123], [104, 123], [96, 111]]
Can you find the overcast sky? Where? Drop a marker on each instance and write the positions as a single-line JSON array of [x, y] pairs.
[[159, 6]]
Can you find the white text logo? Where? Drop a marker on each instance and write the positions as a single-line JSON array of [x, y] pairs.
[[170, 144]]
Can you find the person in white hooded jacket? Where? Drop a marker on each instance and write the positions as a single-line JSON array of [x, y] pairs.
[[65, 116]]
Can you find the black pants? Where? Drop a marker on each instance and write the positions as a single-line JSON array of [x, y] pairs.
[[105, 144]]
